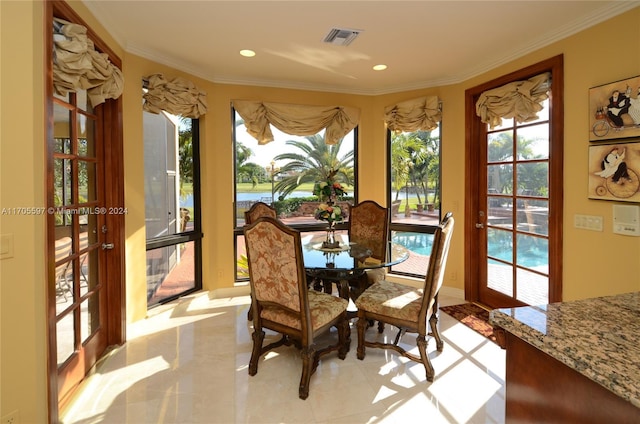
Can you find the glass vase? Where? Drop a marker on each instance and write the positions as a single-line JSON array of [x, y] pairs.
[[330, 241]]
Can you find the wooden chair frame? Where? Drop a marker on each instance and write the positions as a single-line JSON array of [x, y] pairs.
[[305, 336], [374, 296]]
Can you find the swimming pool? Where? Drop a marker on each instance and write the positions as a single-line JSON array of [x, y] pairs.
[[528, 256], [419, 243]]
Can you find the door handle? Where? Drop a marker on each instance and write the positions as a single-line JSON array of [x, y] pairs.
[[479, 226], [107, 246]]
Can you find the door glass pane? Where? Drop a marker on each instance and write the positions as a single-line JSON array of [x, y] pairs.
[[86, 141], [500, 277], [89, 316], [533, 216], [65, 338], [62, 182], [63, 269], [61, 130], [88, 271], [500, 244], [533, 288], [533, 179], [500, 179], [533, 142], [533, 252], [86, 182], [500, 146]]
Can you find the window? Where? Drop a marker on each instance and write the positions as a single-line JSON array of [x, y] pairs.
[[172, 206], [414, 195], [283, 173]]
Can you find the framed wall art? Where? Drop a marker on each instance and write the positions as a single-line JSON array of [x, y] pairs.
[[614, 171], [614, 110]]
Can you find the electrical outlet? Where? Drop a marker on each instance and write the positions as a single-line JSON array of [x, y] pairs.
[[11, 418]]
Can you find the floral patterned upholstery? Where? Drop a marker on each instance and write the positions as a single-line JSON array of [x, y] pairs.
[[407, 307], [392, 300], [282, 302], [368, 225], [323, 307], [257, 210]]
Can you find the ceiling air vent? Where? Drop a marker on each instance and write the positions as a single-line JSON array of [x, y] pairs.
[[341, 36]]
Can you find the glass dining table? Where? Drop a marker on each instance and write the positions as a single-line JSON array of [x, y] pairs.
[[344, 265]]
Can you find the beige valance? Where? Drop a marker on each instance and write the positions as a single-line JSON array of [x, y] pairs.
[[421, 114], [296, 119], [78, 66], [521, 100], [178, 96]]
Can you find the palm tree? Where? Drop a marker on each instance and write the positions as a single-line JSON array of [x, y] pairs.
[[315, 161], [402, 161], [247, 171]]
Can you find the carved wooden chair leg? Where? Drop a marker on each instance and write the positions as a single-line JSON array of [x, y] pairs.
[[308, 359], [344, 339], [433, 322], [258, 338], [362, 327], [422, 347]]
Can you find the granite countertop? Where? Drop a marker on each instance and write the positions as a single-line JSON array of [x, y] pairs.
[[599, 337]]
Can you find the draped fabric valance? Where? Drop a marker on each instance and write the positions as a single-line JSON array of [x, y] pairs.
[[521, 100], [78, 66], [421, 114], [178, 97], [296, 119]]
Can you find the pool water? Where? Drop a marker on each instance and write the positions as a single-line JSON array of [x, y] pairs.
[[421, 244]]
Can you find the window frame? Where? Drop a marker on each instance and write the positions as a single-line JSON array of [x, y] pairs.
[[238, 230], [408, 227]]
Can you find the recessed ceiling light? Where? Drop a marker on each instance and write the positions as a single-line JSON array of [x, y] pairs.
[[247, 53], [379, 67]]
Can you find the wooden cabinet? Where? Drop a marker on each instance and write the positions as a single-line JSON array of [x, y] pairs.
[[541, 389]]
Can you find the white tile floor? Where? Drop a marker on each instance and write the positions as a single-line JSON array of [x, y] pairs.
[[188, 364]]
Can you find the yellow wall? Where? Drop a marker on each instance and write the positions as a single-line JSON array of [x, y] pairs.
[[595, 263]]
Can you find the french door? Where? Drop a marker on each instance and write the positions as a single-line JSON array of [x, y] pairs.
[[85, 220], [514, 192]]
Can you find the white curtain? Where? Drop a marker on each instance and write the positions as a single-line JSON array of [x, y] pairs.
[[177, 96], [78, 66], [421, 114], [521, 100], [296, 119]]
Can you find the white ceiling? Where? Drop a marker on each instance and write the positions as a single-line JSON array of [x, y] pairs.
[[424, 43]]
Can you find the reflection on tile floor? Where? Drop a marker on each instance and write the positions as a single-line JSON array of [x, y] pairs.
[[188, 364]]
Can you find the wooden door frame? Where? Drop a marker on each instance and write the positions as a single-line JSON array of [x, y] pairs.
[[114, 200], [475, 128]]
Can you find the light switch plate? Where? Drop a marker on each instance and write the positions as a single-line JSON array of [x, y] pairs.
[[588, 222]]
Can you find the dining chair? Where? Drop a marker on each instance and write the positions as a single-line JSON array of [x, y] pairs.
[[257, 210], [282, 301], [369, 226], [406, 307]]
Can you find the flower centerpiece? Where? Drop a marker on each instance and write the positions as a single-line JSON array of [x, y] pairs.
[[328, 190], [328, 211]]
